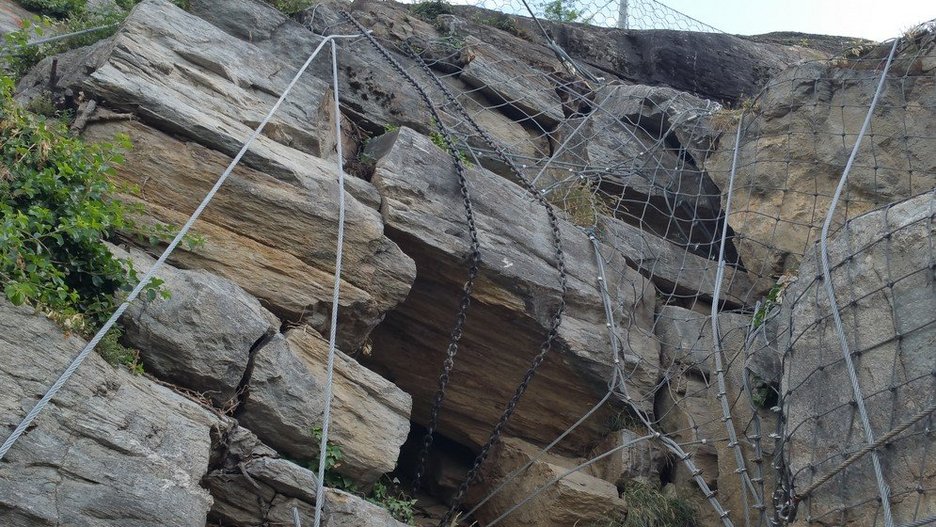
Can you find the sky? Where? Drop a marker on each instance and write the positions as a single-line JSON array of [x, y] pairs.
[[871, 19]]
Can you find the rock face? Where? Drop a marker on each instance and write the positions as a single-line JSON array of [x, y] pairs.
[[254, 486], [266, 235], [691, 412], [274, 384], [202, 336], [646, 146], [112, 449], [717, 66], [882, 274], [190, 89], [794, 148], [286, 400], [577, 499], [512, 304]]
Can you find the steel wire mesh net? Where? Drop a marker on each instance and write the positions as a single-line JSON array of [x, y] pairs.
[[766, 408]]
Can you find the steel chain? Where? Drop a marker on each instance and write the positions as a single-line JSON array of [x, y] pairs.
[[474, 258], [560, 266], [557, 317]]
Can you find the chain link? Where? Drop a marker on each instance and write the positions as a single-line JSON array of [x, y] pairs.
[[474, 258], [556, 321]]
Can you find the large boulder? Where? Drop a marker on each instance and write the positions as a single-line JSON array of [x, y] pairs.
[[272, 238], [716, 66], [202, 336], [882, 273], [112, 449], [797, 139], [252, 485], [286, 399], [567, 497], [512, 303]]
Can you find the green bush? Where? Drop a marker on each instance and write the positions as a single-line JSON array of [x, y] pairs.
[[429, 10], [22, 56], [384, 493], [56, 211], [55, 8], [557, 11], [74, 18], [291, 7]]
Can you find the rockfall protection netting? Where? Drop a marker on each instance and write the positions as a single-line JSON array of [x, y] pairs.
[[803, 409], [625, 14], [767, 268]]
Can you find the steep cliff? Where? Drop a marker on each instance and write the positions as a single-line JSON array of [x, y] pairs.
[[590, 202]]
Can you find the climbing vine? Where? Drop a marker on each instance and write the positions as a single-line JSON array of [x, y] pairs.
[[56, 211]]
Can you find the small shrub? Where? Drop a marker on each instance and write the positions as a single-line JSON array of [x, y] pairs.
[[580, 202], [390, 497], [56, 211], [504, 23], [117, 354], [23, 56], [55, 8], [333, 457], [774, 298], [649, 507], [557, 11], [385, 492], [764, 395], [438, 140], [292, 7], [429, 10]]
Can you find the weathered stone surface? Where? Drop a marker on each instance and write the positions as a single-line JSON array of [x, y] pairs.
[[576, 499], [716, 66], [881, 266], [677, 272], [178, 71], [12, 16], [252, 486], [112, 449], [512, 303], [347, 510], [365, 95], [686, 339], [274, 239], [285, 401], [202, 335], [650, 144], [796, 144], [633, 459], [695, 413]]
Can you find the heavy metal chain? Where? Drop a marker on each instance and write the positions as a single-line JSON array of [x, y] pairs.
[[557, 317], [474, 258], [560, 266]]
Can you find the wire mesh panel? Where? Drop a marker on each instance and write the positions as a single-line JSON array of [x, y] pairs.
[[751, 417]]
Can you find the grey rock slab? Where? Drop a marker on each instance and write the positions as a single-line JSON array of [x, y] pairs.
[[512, 304], [286, 400], [200, 337], [881, 267], [112, 449], [190, 77], [273, 238]]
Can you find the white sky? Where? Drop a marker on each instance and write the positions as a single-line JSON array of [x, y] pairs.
[[871, 19]]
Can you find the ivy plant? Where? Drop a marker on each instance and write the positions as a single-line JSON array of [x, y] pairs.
[[56, 211]]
